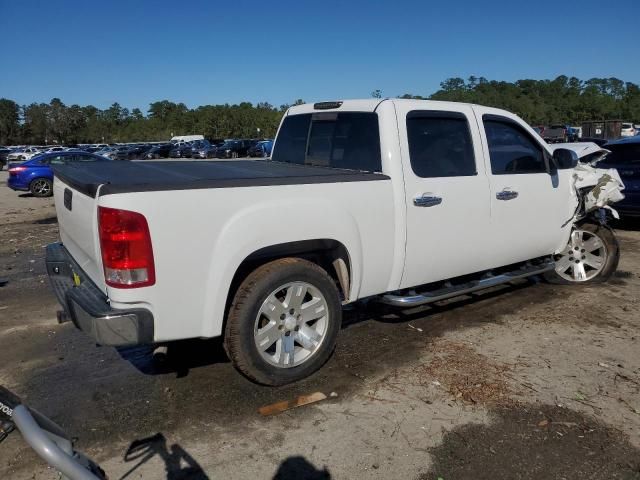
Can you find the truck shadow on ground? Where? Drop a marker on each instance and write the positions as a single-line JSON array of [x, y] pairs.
[[531, 442], [183, 356]]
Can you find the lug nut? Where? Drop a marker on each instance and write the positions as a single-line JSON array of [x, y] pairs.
[[283, 316], [571, 259], [292, 311], [577, 261]]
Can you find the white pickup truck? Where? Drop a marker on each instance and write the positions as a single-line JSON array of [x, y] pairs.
[[404, 201]]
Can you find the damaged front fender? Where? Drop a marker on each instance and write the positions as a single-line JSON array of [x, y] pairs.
[[597, 188]]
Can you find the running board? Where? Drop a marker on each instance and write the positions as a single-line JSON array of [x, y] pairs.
[[416, 299]]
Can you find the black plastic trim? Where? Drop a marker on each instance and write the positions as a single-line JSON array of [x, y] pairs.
[[110, 189]]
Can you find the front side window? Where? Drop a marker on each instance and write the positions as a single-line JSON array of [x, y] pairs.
[[511, 149], [440, 144], [346, 140]]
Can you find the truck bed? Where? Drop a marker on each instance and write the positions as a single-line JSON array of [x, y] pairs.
[[146, 176]]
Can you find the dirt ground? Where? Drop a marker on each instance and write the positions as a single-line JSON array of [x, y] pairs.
[[529, 381]]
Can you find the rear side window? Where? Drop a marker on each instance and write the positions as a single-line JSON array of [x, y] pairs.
[[348, 140], [511, 149], [440, 144], [623, 153]]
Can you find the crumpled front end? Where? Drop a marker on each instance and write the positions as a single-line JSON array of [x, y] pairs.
[[597, 188]]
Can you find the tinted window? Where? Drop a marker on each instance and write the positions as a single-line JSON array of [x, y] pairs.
[[440, 144], [348, 140], [512, 150], [291, 143], [623, 153]]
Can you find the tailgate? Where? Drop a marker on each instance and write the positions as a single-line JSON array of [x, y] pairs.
[[78, 224]]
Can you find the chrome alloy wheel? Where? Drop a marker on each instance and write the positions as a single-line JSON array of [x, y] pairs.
[[583, 258], [291, 325], [41, 187]]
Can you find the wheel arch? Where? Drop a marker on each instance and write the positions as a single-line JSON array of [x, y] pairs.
[[329, 254]]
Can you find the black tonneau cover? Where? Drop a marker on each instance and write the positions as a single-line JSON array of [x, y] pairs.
[[126, 176]]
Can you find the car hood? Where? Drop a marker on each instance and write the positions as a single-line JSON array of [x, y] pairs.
[[583, 149]]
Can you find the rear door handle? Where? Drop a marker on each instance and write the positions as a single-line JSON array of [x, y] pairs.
[[506, 194], [427, 201]]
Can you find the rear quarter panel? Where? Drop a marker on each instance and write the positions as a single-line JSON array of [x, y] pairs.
[[200, 237]]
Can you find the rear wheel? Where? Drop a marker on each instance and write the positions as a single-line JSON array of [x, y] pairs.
[[591, 256], [41, 187], [283, 322]]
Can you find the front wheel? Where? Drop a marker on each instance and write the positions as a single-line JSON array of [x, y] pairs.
[[591, 256], [283, 322], [41, 187]]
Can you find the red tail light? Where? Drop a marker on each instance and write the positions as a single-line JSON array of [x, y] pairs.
[[16, 170], [127, 255]]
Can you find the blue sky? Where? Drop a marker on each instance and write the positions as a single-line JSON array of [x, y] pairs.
[[203, 52]]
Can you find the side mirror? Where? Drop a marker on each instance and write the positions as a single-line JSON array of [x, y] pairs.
[[565, 158]]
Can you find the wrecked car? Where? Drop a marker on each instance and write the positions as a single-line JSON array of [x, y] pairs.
[[403, 201]]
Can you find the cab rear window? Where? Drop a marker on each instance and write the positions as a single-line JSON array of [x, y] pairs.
[[347, 140]]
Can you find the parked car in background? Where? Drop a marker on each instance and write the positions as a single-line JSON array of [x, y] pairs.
[[108, 152], [181, 150], [22, 154], [35, 175], [261, 149], [628, 130], [133, 152], [4, 152], [559, 134], [159, 151], [204, 151], [625, 158], [234, 148], [53, 149], [116, 152], [197, 146]]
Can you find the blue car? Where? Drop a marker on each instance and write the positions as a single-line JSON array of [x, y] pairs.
[[36, 175], [625, 157]]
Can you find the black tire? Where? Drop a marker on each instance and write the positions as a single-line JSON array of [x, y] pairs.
[[608, 238], [41, 187], [239, 338]]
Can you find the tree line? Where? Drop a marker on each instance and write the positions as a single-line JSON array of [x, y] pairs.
[[539, 102], [566, 100]]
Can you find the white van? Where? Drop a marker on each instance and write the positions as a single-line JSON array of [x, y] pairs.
[[186, 138]]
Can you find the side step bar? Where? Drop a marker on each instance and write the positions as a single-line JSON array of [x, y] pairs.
[[417, 299]]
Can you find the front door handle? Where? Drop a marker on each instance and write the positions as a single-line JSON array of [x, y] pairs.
[[506, 194], [427, 201]]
